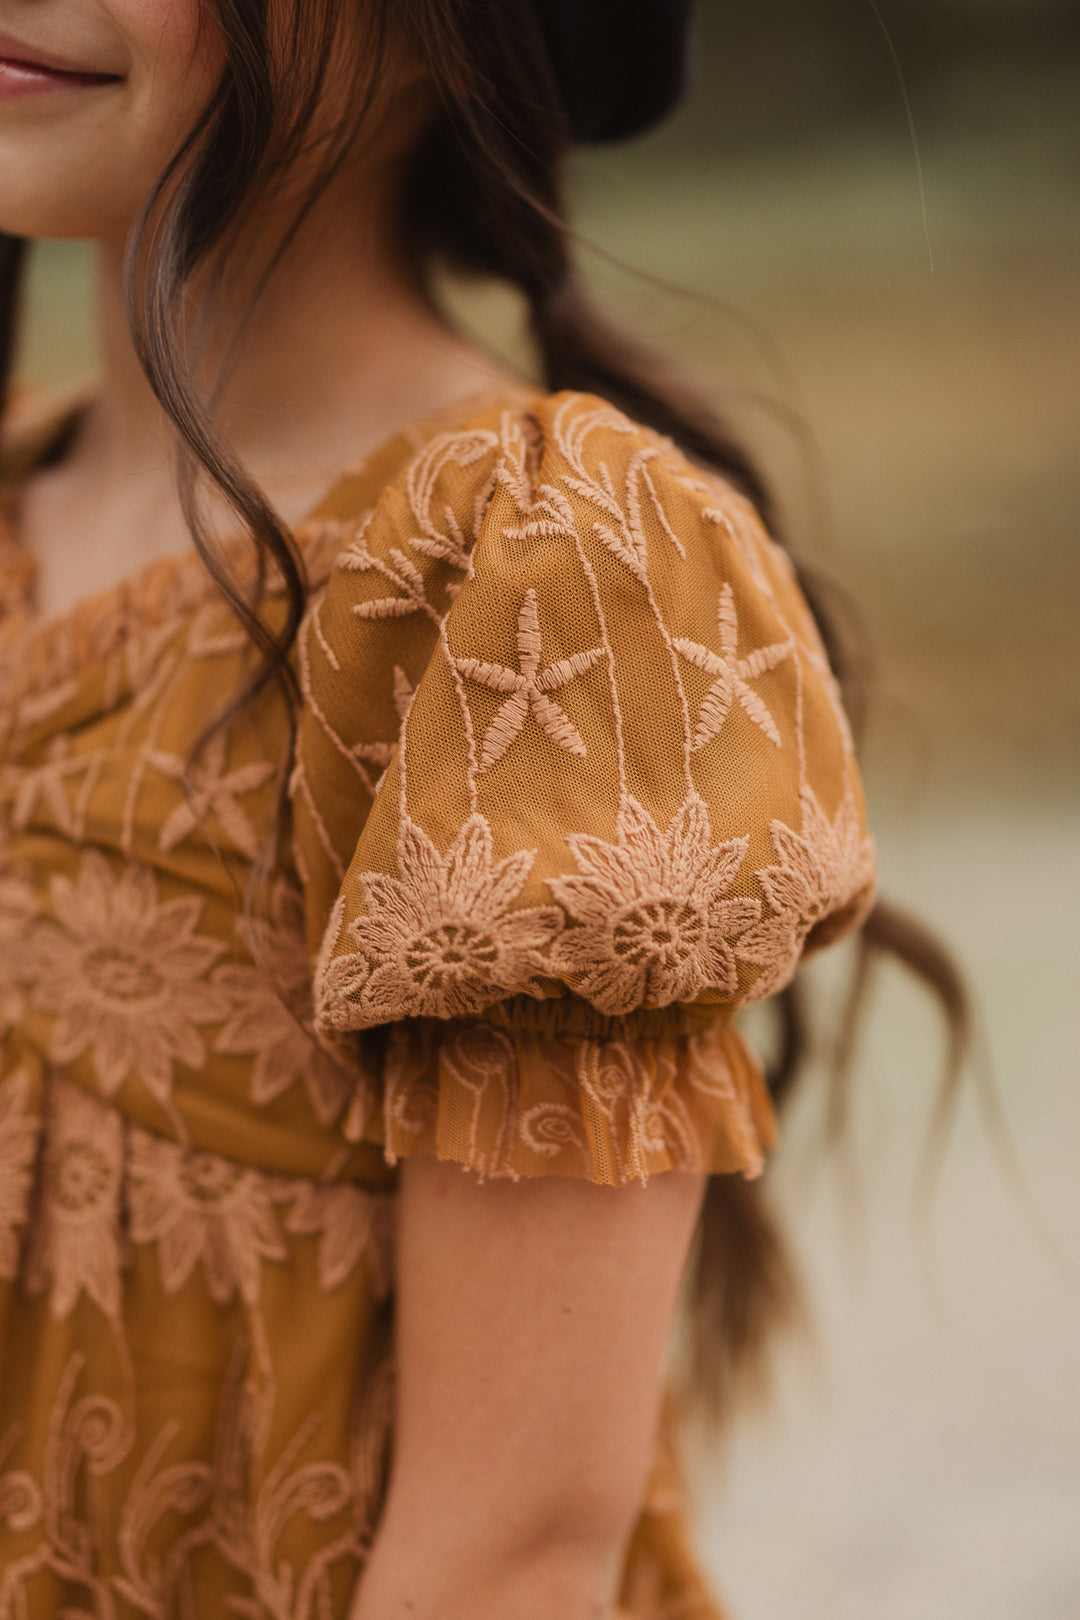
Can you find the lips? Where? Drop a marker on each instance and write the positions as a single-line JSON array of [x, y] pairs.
[[30, 73], [26, 64]]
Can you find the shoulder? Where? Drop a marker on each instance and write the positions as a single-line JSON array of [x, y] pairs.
[[559, 677], [531, 540], [536, 478]]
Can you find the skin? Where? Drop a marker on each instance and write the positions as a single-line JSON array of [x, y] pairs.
[[343, 349], [532, 1324], [533, 1316]]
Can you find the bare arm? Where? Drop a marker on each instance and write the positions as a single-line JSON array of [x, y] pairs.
[[533, 1318]]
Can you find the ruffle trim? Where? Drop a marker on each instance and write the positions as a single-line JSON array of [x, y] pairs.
[[527, 1103]]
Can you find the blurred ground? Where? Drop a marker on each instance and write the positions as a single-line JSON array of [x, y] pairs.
[[925, 1464], [922, 1463]]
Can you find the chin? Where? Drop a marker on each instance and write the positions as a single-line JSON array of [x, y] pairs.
[[39, 225], [56, 215], [63, 184]]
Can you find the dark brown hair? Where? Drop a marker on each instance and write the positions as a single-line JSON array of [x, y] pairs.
[[482, 194]]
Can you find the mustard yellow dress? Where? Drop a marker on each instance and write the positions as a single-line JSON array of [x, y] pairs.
[[572, 785]]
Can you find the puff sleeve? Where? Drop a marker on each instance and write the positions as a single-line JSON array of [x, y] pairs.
[[573, 785]]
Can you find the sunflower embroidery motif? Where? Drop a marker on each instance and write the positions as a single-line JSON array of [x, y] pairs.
[[652, 922], [202, 1210], [124, 976], [17, 914], [75, 1234], [18, 1146], [820, 872], [441, 939], [353, 1226]]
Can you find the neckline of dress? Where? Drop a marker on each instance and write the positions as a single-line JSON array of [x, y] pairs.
[[37, 650]]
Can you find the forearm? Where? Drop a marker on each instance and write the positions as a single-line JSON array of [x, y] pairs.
[[559, 1575]]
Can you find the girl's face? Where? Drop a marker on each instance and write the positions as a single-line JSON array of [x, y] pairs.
[[95, 96]]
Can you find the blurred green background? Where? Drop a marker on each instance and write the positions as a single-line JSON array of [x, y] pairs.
[[923, 1463]]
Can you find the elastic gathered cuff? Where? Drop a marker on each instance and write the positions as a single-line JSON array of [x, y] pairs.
[[524, 1103]]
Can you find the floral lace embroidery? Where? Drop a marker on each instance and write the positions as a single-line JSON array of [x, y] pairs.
[[202, 1210], [229, 1510], [125, 976], [352, 1226], [88, 1438], [437, 939], [663, 609], [18, 1146], [441, 535], [820, 871], [623, 532], [654, 917], [74, 1245], [269, 1001], [653, 925], [18, 910]]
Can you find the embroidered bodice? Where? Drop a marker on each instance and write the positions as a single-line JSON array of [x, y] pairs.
[[572, 785]]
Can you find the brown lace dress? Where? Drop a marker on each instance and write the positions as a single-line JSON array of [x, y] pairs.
[[573, 785]]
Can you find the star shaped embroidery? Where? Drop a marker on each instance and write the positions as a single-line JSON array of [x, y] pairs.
[[47, 785], [211, 788], [528, 687], [733, 675]]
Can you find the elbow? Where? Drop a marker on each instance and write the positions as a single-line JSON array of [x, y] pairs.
[[564, 1558], [562, 1536], [583, 1526]]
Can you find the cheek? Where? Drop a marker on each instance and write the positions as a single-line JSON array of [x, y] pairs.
[[177, 55], [81, 165], [165, 38]]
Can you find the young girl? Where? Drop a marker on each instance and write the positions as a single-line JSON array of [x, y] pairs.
[[405, 775]]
